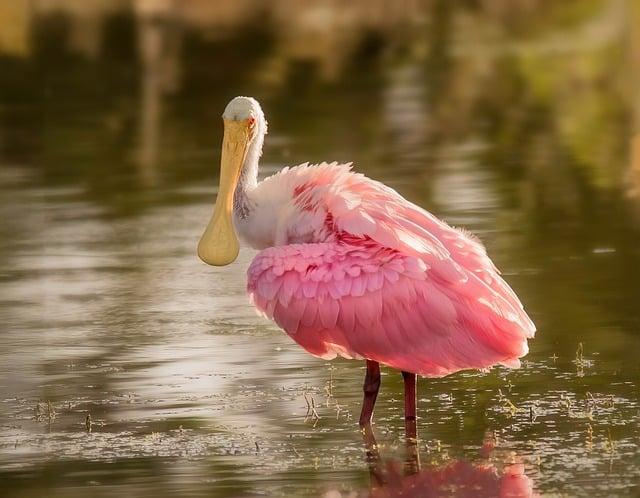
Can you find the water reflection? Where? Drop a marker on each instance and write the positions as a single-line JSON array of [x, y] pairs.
[[455, 479], [512, 118], [492, 478]]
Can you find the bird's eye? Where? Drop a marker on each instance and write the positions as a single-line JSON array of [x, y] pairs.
[[252, 121]]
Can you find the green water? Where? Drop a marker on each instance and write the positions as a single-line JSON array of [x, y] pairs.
[[513, 119]]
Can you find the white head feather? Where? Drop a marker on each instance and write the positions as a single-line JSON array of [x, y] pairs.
[[240, 108]]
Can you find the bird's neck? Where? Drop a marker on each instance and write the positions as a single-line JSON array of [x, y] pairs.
[[248, 180]]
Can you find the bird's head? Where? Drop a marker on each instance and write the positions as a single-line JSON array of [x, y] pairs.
[[244, 129]]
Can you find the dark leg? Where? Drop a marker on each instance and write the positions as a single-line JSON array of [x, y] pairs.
[[412, 462], [409, 395], [371, 387], [412, 465]]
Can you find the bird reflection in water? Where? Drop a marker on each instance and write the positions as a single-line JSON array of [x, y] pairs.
[[458, 478]]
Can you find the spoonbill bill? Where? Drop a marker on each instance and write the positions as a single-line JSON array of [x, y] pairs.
[[348, 267]]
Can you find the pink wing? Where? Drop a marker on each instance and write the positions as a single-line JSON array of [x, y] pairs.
[[376, 303], [392, 283], [364, 208]]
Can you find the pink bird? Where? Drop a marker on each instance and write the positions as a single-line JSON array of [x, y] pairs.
[[348, 267]]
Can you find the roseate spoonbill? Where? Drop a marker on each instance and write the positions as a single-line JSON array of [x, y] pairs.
[[349, 267]]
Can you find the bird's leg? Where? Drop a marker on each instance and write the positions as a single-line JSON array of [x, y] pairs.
[[409, 395], [412, 464], [371, 387]]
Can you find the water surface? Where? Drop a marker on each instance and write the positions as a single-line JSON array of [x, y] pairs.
[[513, 122]]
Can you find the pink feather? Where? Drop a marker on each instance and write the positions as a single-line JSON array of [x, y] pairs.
[[385, 280]]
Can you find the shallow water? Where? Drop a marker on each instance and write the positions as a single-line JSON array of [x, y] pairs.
[[512, 123]]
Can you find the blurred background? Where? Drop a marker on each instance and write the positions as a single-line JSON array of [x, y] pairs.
[[518, 119]]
